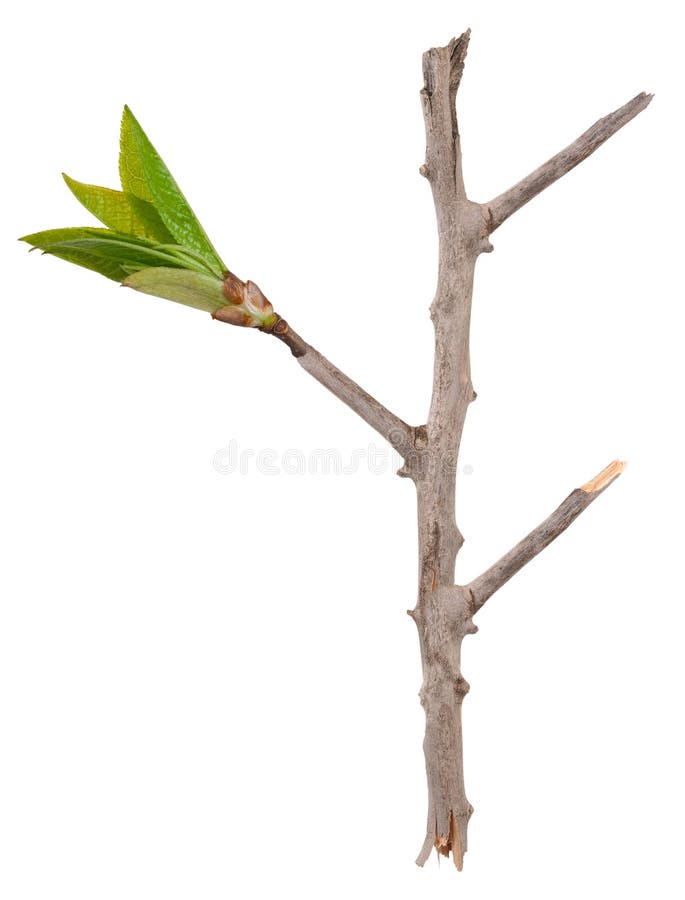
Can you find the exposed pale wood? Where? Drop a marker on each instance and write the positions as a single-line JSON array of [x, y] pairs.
[[605, 477]]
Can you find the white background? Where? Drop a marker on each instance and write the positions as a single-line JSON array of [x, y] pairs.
[[209, 683]]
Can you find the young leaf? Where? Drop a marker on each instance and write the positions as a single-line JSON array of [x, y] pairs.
[[125, 251], [53, 235], [130, 167], [190, 288], [110, 268], [121, 212], [140, 160], [62, 234]]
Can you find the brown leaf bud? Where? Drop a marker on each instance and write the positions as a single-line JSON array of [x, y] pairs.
[[256, 298], [234, 315], [234, 289]]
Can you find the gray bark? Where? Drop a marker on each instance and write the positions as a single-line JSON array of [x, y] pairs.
[[507, 203], [492, 579], [444, 610]]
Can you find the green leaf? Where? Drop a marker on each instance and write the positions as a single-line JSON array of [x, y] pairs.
[[110, 268], [128, 253], [140, 161], [122, 212], [190, 288], [132, 255], [62, 234], [131, 172]]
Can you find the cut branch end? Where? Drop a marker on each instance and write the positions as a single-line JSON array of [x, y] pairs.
[[604, 478]]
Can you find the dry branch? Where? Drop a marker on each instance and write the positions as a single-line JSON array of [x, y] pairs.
[[391, 427], [510, 201], [483, 587], [443, 612]]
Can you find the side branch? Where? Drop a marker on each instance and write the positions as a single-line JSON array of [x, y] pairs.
[[512, 200], [391, 427], [483, 587]]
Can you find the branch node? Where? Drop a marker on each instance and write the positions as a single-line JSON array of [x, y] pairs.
[[461, 686], [420, 437], [290, 338]]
